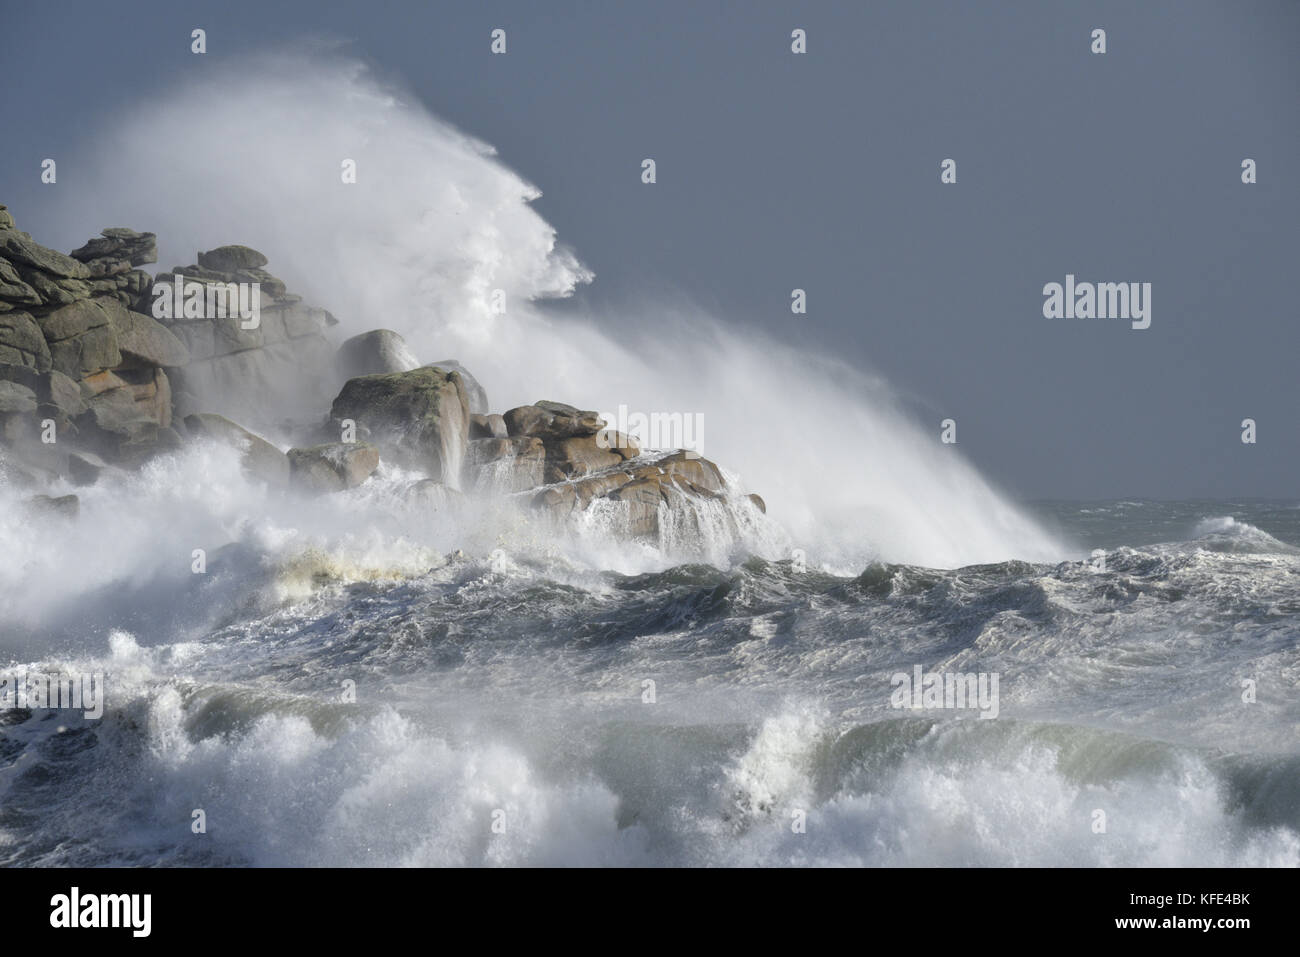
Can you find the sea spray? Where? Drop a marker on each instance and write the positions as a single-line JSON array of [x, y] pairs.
[[429, 244]]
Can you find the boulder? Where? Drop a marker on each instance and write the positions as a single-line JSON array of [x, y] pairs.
[[20, 249], [645, 491], [419, 419], [487, 427], [576, 456], [333, 467], [552, 420], [81, 338], [377, 351], [232, 259], [119, 245], [259, 458], [504, 466], [22, 342], [16, 398], [14, 291], [130, 423], [143, 341], [478, 401]]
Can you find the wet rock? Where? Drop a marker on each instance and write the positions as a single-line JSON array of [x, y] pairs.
[[232, 259], [419, 419], [374, 352], [552, 420], [487, 427], [143, 341], [504, 466], [645, 490], [333, 467], [478, 401]]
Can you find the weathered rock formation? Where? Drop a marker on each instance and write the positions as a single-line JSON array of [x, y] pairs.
[[374, 352], [103, 366], [72, 343], [258, 369], [333, 467], [418, 419]]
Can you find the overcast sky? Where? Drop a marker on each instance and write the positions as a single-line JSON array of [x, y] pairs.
[[822, 171]]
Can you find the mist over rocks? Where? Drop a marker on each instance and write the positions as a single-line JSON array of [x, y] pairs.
[[333, 467], [104, 367], [478, 400], [373, 352], [258, 354], [259, 458]]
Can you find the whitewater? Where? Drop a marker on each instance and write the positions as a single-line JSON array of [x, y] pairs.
[[357, 681]]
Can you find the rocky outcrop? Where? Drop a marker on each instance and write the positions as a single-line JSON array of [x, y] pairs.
[[503, 466], [552, 420], [478, 401], [487, 427], [333, 467], [103, 367], [427, 496], [374, 352], [111, 259], [70, 335], [547, 442], [419, 419], [272, 363], [646, 491], [22, 342]]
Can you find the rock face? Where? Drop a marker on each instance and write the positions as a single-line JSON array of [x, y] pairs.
[[70, 333], [552, 420], [419, 419], [333, 467], [22, 342], [103, 367], [503, 466], [646, 493], [547, 442], [374, 352], [273, 363]]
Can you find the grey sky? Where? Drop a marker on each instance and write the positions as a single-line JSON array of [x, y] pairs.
[[821, 171]]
